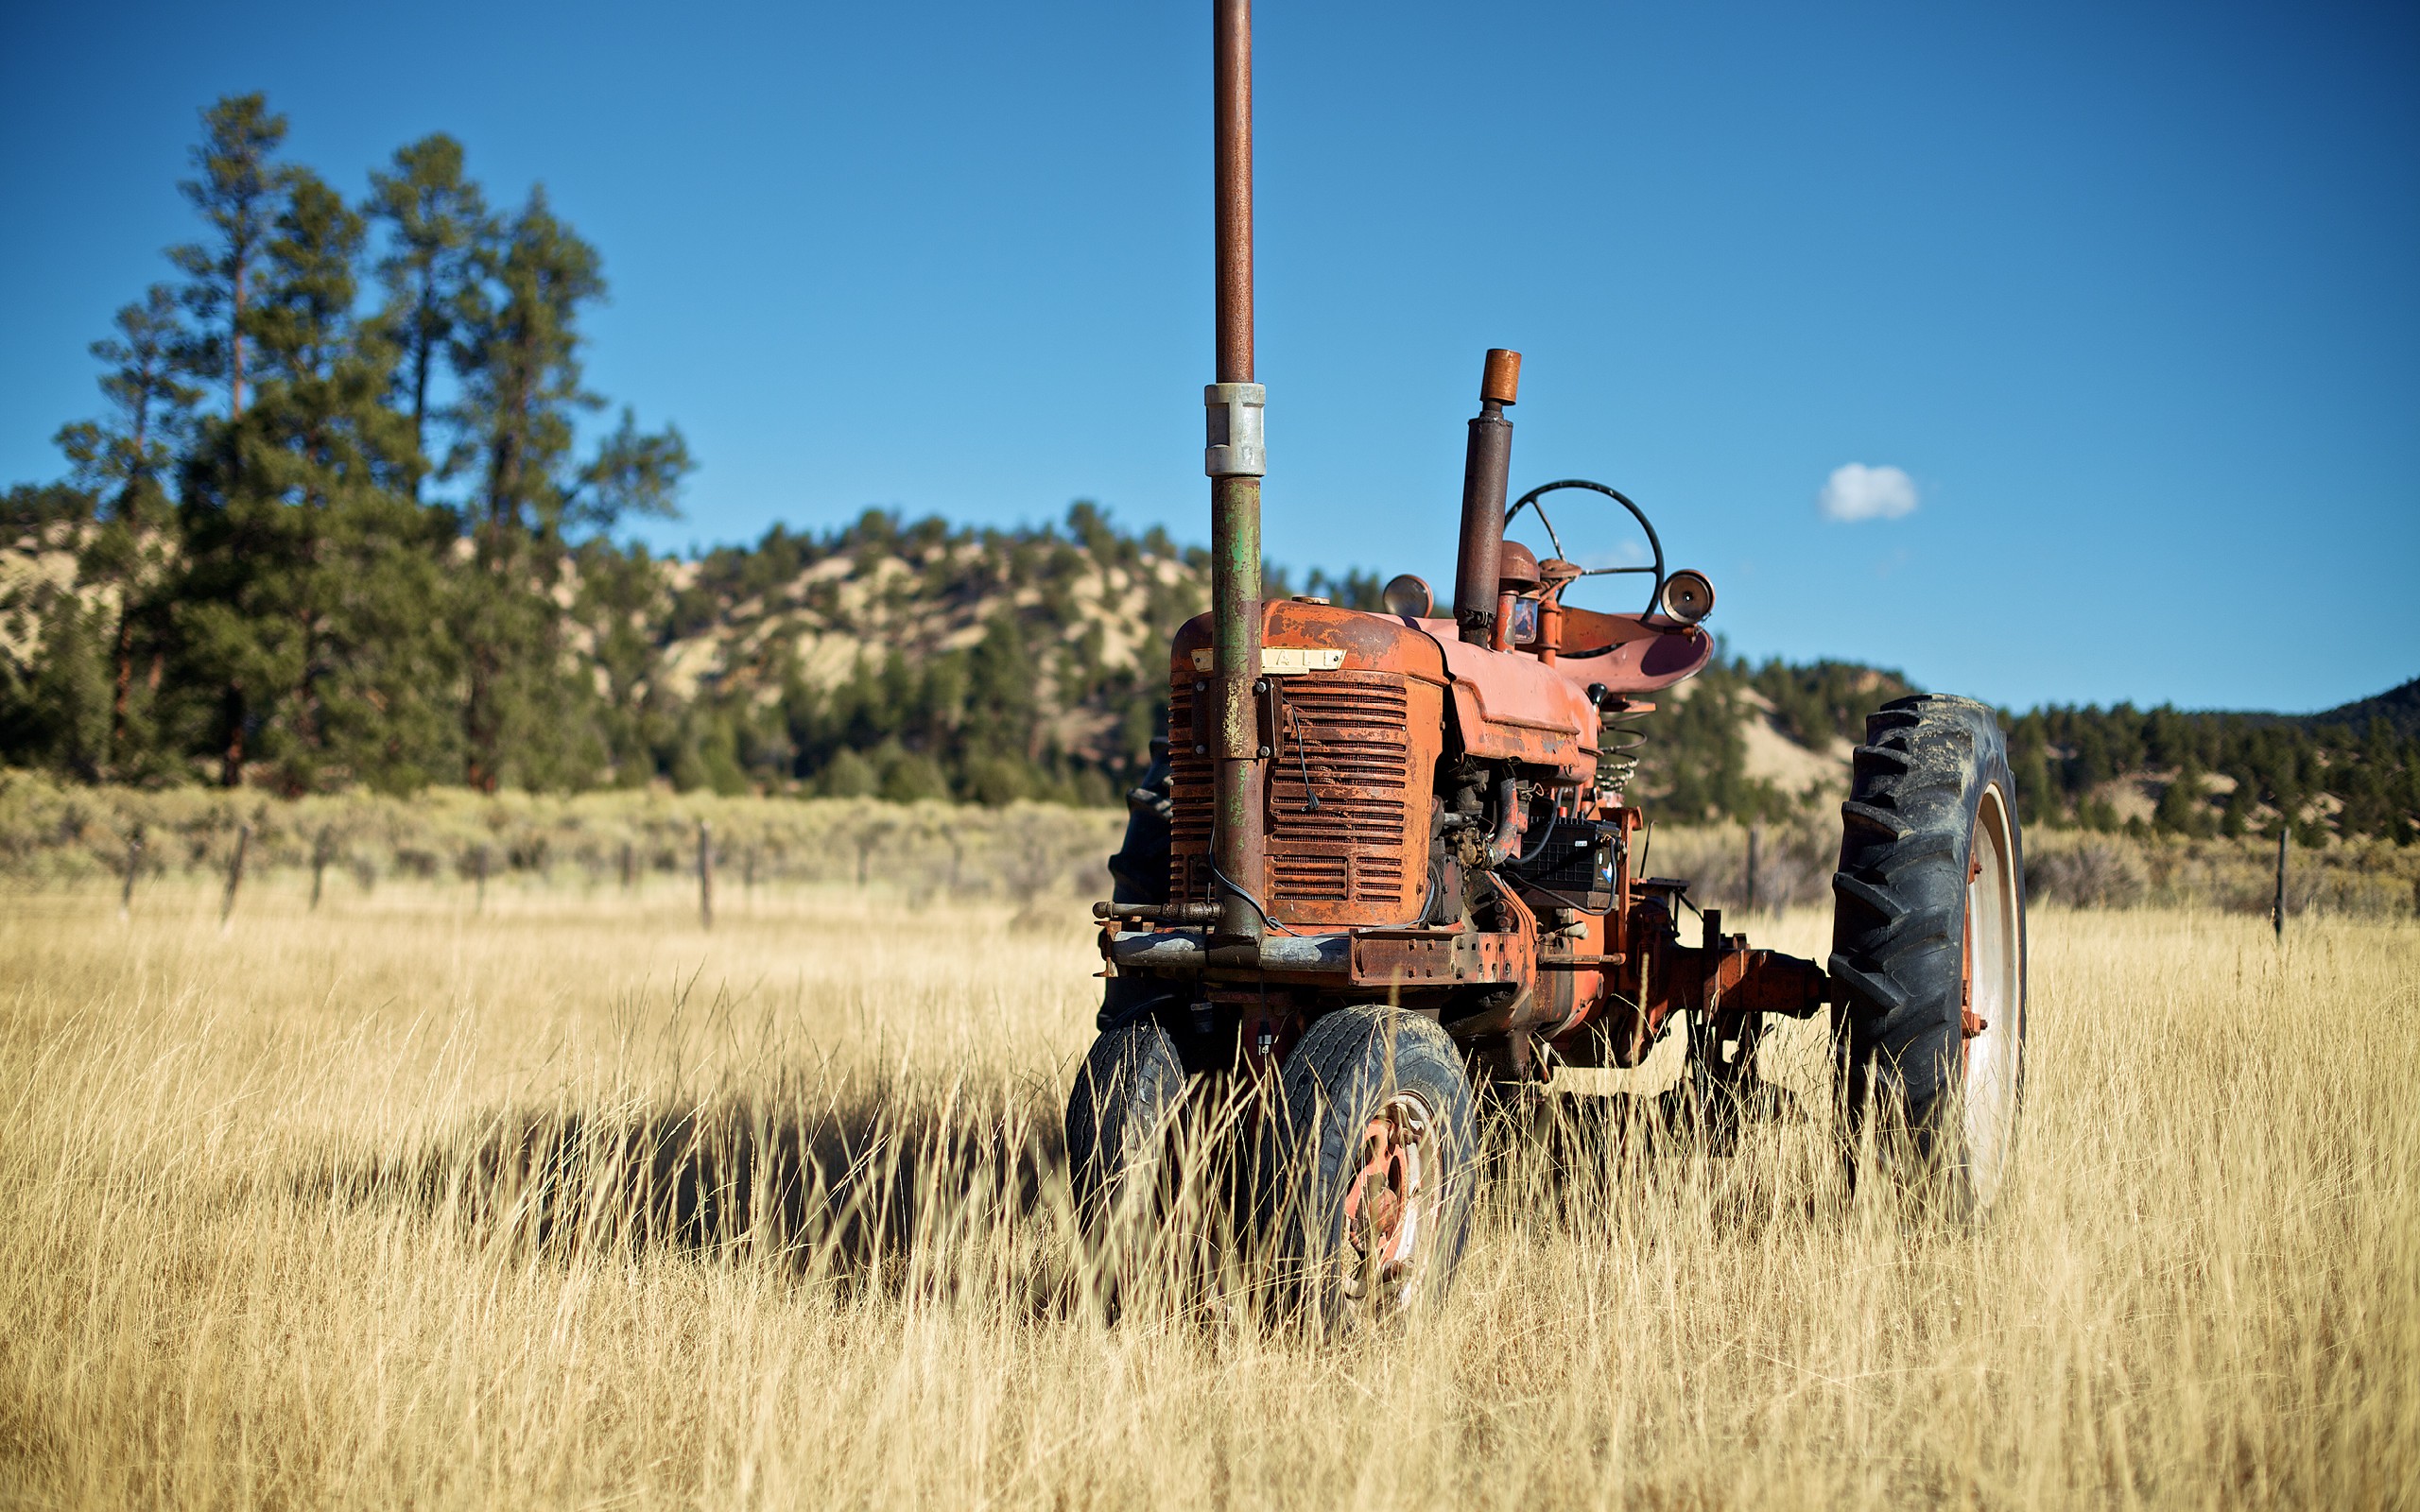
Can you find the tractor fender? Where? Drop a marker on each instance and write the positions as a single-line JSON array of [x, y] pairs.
[[1508, 706]]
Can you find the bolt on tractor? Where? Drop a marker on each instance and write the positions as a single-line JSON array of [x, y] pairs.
[[1385, 873]]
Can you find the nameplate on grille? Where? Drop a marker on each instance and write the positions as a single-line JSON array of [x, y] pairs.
[[1280, 661]]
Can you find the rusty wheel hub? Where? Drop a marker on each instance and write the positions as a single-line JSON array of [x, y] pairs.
[[1386, 1201]]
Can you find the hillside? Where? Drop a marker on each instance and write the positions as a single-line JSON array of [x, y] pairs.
[[916, 661], [2399, 707]]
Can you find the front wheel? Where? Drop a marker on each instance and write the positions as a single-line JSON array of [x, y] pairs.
[[1928, 951], [1123, 1119], [1372, 1167]]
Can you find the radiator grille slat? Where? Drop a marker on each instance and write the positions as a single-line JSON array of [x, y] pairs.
[[1348, 733]]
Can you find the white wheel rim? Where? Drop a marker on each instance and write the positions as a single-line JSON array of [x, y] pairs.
[[1994, 1058]]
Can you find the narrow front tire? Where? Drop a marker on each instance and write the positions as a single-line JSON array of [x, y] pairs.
[[1373, 1159]]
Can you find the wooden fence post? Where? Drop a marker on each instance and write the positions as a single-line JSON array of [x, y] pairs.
[[1755, 837], [480, 904], [2277, 909], [706, 874], [235, 875], [320, 849], [630, 867], [133, 863]]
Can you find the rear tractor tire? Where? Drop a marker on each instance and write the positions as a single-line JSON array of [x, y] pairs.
[[1369, 1165], [1928, 953]]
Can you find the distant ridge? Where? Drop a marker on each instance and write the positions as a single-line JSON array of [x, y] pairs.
[[2399, 707]]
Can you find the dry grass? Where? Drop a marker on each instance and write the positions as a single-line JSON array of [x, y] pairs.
[[397, 1205]]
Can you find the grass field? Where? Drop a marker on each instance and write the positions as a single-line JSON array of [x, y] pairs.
[[397, 1204]]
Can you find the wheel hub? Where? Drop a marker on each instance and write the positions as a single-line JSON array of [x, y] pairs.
[[1383, 1200]]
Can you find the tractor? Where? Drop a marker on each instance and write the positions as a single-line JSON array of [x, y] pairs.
[[1383, 874]]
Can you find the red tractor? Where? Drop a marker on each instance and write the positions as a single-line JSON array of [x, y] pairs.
[[1385, 873]]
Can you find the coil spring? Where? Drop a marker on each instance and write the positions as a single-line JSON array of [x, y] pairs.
[[1619, 742]]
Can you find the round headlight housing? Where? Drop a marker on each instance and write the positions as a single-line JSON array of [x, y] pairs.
[[1687, 596], [1408, 596]]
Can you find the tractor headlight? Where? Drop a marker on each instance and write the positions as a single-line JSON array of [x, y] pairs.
[[1687, 596], [1408, 596]]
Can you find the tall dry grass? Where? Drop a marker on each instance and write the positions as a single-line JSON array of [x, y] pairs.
[[570, 1203]]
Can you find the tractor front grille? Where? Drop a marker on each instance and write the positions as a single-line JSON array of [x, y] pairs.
[[1358, 855]]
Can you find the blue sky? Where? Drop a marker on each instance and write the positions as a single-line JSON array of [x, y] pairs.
[[2131, 294]]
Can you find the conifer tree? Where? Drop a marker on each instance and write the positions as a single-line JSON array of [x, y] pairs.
[[309, 604], [518, 352], [122, 459], [517, 349], [2183, 808], [67, 707], [237, 191], [437, 220]]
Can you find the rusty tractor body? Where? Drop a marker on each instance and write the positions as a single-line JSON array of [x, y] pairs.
[[1442, 829], [1389, 870]]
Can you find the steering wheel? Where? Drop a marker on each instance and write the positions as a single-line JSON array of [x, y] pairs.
[[1654, 593]]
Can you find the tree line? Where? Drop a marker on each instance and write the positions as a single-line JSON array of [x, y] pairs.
[[2220, 773], [2157, 771], [326, 522]]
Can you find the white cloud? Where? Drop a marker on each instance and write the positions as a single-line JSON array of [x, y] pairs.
[[1858, 491]]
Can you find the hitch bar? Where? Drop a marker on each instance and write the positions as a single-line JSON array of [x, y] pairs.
[[1159, 913], [1180, 953]]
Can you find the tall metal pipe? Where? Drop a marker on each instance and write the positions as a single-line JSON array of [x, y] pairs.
[[1235, 459], [1487, 466], [1231, 127]]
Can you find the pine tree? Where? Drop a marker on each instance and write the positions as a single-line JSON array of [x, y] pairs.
[[309, 602], [634, 472], [122, 460], [517, 352], [2183, 808], [437, 220], [237, 191], [69, 703]]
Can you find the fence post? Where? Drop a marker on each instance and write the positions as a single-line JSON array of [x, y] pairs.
[[320, 849], [134, 861], [1755, 837], [235, 875], [480, 904], [630, 867], [706, 874], [2278, 908]]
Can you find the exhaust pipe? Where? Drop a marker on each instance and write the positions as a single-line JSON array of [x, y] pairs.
[[1487, 468], [1235, 459]]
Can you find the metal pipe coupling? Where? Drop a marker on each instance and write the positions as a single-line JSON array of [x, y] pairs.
[[1233, 413]]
